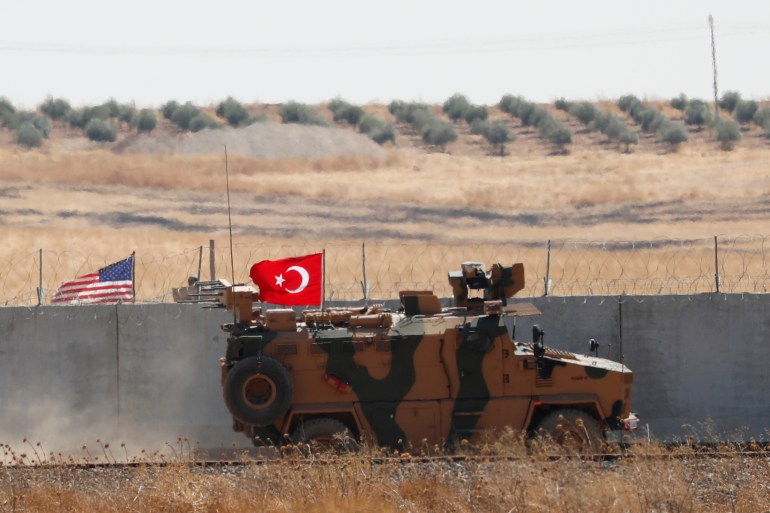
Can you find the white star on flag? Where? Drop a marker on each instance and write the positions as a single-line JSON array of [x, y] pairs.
[[279, 280]]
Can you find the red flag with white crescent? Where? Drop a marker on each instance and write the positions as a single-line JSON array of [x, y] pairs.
[[291, 281]]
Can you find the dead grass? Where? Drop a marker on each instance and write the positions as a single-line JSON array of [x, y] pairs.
[[503, 476]]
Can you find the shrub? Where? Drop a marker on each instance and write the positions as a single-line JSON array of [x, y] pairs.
[[562, 104], [344, 111], [81, 118], [438, 133], [456, 106], [43, 124], [475, 113], [614, 127], [651, 120], [127, 113], [697, 113], [101, 130], [680, 102], [233, 112], [729, 100], [496, 133], [728, 132], [628, 102], [6, 107], [510, 104], [184, 114], [29, 136], [419, 116], [547, 125], [628, 137], [673, 133], [58, 108], [396, 106], [534, 116], [75, 119], [15, 119], [585, 112], [169, 108], [762, 117], [744, 111], [377, 128], [560, 137], [478, 127], [146, 120], [201, 121], [294, 112], [112, 107]]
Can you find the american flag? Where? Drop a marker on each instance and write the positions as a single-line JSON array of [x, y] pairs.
[[109, 284]]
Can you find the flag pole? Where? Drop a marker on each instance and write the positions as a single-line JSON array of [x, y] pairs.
[[323, 279], [133, 276]]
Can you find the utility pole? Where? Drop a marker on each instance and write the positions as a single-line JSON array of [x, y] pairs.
[[714, 65]]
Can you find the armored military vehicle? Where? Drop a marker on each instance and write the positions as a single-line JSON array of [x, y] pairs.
[[420, 375]]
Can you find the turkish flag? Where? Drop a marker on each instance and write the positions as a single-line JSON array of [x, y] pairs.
[[291, 281]]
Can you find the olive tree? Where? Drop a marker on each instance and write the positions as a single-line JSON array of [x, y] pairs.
[[744, 111], [673, 133], [232, 111], [497, 134], [728, 133], [101, 130], [29, 136], [146, 120], [439, 133], [729, 100], [55, 108], [697, 113], [455, 106], [680, 102]]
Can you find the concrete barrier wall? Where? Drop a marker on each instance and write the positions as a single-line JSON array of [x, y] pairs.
[[148, 374]]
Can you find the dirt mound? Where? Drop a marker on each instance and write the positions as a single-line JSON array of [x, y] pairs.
[[261, 140]]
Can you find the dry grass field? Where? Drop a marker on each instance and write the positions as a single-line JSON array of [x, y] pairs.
[[501, 477], [420, 212], [85, 204]]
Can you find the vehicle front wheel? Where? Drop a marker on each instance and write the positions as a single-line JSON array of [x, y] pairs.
[[258, 391]]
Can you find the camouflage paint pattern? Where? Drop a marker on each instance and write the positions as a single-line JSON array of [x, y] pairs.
[[436, 363]]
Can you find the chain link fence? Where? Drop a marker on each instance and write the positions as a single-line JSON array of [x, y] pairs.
[[357, 271]]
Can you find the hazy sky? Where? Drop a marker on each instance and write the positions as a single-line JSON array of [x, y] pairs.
[[88, 51]]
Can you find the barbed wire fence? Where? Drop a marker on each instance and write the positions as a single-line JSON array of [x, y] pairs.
[[358, 271]]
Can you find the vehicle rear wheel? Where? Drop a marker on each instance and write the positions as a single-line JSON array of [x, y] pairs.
[[575, 430], [258, 390], [325, 434]]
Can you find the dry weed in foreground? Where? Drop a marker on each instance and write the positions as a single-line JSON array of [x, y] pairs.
[[670, 481]]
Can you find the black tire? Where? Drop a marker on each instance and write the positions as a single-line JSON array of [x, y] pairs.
[[325, 434], [575, 430], [258, 391]]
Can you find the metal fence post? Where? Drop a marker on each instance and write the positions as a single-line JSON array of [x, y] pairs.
[[212, 263], [40, 293], [364, 284], [716, 263], [547, 282]]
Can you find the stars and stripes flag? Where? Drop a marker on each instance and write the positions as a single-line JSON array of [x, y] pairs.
[[111, 284]]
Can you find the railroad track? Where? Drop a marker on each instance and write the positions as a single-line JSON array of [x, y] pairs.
[[672, 452]]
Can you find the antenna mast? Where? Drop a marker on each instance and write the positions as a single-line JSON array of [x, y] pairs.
[[229, 218], [714, 65]]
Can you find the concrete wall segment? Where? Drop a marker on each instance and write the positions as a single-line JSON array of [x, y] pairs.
[[148, 373]]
